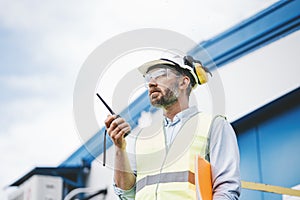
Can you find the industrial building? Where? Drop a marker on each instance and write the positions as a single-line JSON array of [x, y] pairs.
[[258, 62]]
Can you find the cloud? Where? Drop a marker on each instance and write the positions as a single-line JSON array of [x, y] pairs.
[[42, 136], [44, 43]]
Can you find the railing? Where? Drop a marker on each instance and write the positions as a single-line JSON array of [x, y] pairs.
[[270, 188]]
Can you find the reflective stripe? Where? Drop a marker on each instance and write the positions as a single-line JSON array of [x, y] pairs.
[[185, 176]]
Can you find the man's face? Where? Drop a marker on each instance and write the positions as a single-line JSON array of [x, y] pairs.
[[162, 86]]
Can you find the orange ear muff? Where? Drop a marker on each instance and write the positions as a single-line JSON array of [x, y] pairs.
[[201, 73]]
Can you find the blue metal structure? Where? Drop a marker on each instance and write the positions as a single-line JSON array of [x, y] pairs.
[[269, 141], [241, 39], [269, 25]]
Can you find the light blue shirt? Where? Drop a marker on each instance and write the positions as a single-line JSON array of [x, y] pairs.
[[172, 127], [223, 155]]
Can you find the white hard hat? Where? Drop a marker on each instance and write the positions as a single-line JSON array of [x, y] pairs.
[[186, 63]]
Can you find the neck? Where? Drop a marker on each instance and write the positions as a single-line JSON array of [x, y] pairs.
[[175, 108]]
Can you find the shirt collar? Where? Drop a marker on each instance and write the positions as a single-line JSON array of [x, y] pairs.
[[181, 116]]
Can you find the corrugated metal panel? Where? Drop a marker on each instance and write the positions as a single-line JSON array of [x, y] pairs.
[[269, 141]]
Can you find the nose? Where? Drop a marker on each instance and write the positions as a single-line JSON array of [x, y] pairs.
[[152, 83]]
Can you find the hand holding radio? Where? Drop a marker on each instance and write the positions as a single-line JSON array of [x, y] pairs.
[[117, 128]]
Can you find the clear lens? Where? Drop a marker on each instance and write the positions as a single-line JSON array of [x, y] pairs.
[[159, 74], [155, 75]]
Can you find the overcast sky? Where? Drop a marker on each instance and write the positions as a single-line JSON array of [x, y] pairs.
[[42, 47]]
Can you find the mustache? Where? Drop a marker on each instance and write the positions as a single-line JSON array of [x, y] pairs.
[[153, 89]]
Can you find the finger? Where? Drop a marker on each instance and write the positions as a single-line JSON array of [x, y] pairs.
[[114, 128], [121, 124], [126, 131], [113, 132], [118, 135], [124, 125], [119, 120], [109, 120], [116, 122], [119, 130]]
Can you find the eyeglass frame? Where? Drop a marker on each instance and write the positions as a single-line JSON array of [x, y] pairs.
[[162, 71]]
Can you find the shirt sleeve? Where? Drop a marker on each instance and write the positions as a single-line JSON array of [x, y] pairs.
[[125, 194], [128, 194], [224, 160]]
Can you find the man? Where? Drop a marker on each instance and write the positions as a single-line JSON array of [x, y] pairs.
[[164, 164]]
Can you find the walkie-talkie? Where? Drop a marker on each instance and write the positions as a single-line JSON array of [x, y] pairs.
[[107, 106], [104, 140]]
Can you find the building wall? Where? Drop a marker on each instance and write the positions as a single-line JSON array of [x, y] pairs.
[[101, 177], [269, 146]]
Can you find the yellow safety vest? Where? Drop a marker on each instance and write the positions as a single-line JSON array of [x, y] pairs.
[[169, 174]]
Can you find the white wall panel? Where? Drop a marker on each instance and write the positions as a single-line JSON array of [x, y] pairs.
[[262, 76]]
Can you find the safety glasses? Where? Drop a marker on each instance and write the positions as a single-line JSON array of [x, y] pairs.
[[160, 74]]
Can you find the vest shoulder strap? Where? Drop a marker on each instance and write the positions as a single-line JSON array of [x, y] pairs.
[[209, 133]]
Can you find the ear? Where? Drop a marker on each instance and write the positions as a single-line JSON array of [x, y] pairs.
[[184, 83]]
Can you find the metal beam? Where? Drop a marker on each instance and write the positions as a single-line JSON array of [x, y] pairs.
[[269, 25]]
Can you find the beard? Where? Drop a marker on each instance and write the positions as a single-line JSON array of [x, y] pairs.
[[165, 98]]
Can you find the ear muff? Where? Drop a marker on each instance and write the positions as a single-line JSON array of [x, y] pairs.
[[201, 73]]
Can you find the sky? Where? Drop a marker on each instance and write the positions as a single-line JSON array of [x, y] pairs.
[[43, 45]]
